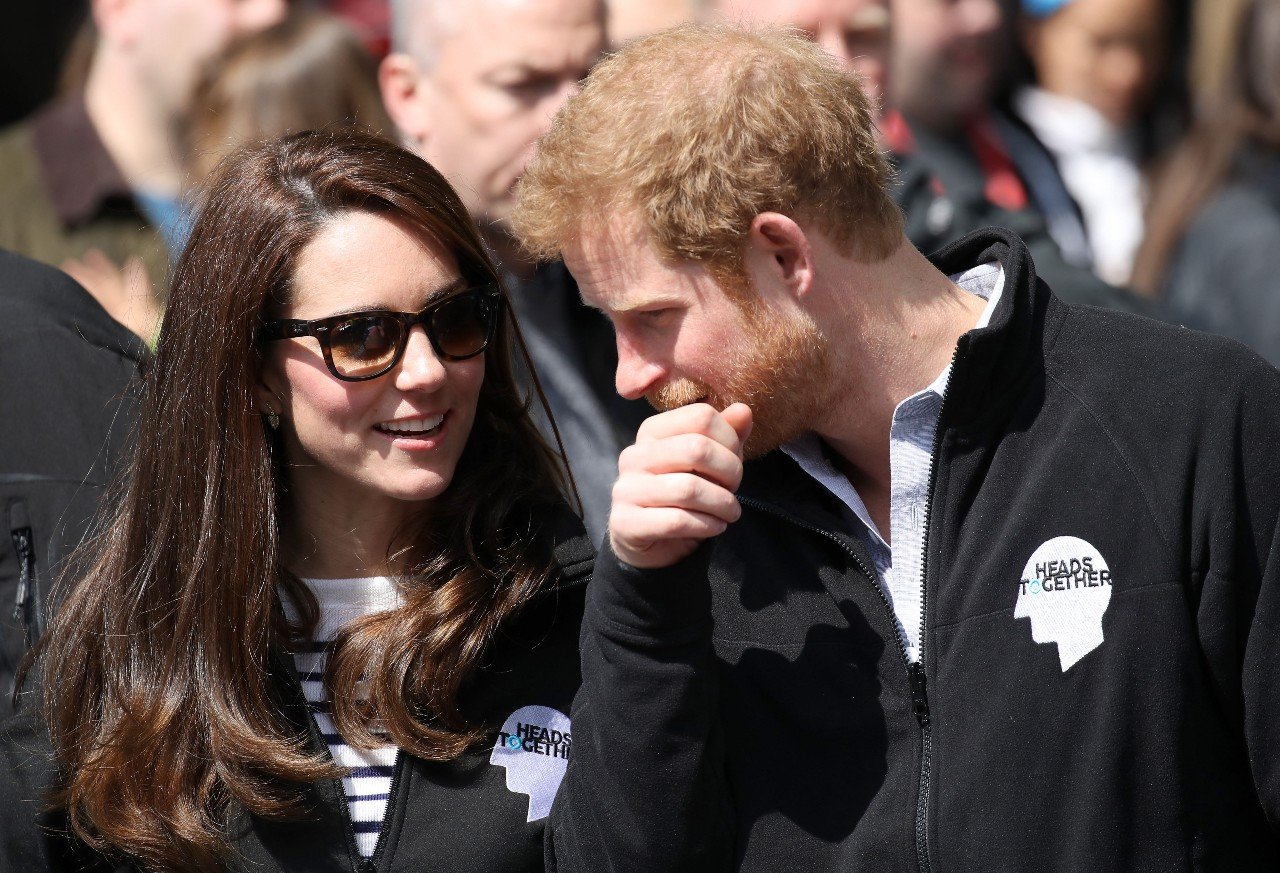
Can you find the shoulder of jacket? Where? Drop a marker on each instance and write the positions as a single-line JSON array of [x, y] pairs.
[[36, 295], [1154, 357]]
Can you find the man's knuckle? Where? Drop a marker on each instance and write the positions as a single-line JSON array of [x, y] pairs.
[[706, 416], [686, 488]]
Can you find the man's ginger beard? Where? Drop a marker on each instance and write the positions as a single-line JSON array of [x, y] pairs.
[[778, 368]]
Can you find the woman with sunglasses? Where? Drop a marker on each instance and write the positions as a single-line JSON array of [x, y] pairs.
[[330, 622]]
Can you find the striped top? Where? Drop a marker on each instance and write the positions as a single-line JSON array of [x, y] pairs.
[[368, 780]]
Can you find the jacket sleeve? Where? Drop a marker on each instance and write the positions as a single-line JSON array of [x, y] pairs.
[[1261, 687], [645, 787], [1253, 580], [24, 769]]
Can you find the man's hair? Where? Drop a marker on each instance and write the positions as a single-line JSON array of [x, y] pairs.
[[419, 26], [696, 131]]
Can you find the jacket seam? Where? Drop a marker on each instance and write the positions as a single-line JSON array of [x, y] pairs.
[[1123, 456], [994, 612], [681, 633]]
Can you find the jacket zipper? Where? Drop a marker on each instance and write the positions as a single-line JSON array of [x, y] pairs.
[[25, 595], [360, 864], [363, 864], [393, 795], [22, 606], [915, 669], [915, 675], [919, 690]]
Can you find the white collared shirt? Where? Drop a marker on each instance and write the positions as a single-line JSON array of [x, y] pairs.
[[911, 436]]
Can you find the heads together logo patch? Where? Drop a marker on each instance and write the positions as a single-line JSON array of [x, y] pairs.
[[1065, 590], [534, 746]]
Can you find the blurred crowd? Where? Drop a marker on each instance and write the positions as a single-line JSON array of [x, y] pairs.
[[1134, 144], [1129, 141]]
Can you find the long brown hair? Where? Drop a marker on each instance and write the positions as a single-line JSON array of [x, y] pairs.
[[156, 669], [1244, 114]]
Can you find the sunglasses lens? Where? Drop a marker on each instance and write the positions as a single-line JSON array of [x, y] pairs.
[[461, 325], [363, 345]]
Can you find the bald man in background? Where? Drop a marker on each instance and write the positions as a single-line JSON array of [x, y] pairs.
[[471, 87]]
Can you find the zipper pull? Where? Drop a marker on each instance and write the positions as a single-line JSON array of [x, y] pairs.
[[22, 545], [919, 699]]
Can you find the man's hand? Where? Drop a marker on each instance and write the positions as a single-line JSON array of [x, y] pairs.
[[676, 485]]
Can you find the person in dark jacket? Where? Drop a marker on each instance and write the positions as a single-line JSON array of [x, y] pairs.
[[69, 372], [984, 168], [998, 586], [331, 619]]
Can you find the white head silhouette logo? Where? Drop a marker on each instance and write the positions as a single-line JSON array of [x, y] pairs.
[[534, 746], [1065, 590]]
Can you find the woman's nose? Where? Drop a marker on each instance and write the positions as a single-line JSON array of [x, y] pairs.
[[419, 369]]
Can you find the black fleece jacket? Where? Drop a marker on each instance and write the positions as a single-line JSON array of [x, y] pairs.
[[66, 416], [1109, 702], [465, 816]]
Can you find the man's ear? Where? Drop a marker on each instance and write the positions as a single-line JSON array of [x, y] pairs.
[[405, 94], [778, 251]]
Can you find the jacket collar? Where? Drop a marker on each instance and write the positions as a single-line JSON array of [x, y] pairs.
[[993, 364]]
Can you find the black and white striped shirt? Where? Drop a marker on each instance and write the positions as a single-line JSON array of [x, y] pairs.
[[367, 782]]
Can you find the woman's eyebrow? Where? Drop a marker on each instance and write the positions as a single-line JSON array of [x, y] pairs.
[[378, 306], [456, 285]]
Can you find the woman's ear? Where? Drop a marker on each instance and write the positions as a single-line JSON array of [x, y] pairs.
[[267, 399]]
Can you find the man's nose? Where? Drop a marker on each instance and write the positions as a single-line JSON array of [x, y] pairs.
[[419, 369], [636, 373], [979, 17]]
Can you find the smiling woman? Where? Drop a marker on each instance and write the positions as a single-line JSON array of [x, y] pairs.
[[340, 563]]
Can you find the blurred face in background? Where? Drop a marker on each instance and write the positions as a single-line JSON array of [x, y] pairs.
[[628, 20], [500, 71], [946, 54], [856, 32], [171, 40], [1106, 53]]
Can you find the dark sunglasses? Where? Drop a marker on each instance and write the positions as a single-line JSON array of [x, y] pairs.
[[365, 345]]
